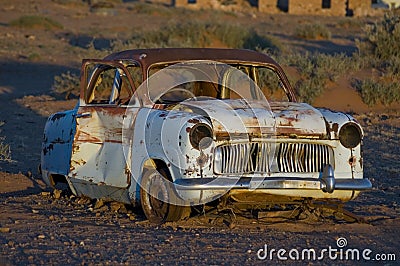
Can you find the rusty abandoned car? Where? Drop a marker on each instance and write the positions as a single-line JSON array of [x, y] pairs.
[[173, 128]]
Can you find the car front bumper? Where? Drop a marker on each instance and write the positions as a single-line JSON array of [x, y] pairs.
[[327, 183]]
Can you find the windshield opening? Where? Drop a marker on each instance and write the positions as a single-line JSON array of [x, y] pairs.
[[204, 80]]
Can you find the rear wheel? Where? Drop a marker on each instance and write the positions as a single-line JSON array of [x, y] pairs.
[[158, 198]]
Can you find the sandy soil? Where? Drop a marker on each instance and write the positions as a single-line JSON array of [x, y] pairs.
[[41, 226]]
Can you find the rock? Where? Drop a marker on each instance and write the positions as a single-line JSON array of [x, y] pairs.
[[99, 204], [52, 251], [5, 229], [104, 208], [115, 206], [384, 117], [57, 193], [131, 217], [83, 200], [45, 194]]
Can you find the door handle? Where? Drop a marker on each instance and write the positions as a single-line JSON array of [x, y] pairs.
[[84, 115]]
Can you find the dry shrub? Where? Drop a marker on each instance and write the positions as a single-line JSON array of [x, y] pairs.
[[380, 49], [315, 70], [5, 151], [313, 32], [34, 21]]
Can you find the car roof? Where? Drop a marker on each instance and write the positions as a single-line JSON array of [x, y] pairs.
[[148, 57]]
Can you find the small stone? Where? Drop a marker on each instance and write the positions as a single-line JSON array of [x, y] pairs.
[[52, 251], [35, 211], [57, 193], [99, 204], [102, 209], [83, 200], [45, 194], [115, 206], [30, 37], [232, 225], [41, 236], [5, 229]]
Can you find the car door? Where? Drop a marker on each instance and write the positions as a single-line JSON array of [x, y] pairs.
[[97, 154]]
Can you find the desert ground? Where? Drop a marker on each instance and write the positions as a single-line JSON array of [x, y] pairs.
[[39, 225]]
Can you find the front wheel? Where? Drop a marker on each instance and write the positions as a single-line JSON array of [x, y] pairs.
[[158, 198]]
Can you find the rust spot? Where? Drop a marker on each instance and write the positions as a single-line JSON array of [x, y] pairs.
[[194, 121], [202, 159], [75, 148], [281, 131], [335, 127], [86, 137], [188, 129], [160, 106], [353, 161], [112, 111]]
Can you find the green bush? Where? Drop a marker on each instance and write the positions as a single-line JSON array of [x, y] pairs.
[[313, 32], [34, 21]]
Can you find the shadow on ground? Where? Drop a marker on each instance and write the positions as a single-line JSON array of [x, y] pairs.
[[23, 127]]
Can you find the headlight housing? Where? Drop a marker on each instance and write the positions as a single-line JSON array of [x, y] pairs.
[[201, 136], [350, 135]]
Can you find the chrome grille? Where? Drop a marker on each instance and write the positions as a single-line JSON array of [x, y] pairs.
[[263, 157]]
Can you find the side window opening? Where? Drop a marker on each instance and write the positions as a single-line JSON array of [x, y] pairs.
[[102, 85], [110, 85]]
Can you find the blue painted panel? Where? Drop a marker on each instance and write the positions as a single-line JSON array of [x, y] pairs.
[[57, 142]]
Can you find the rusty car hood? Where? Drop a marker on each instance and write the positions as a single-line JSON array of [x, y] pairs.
[[238, 117], [298, 120]]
